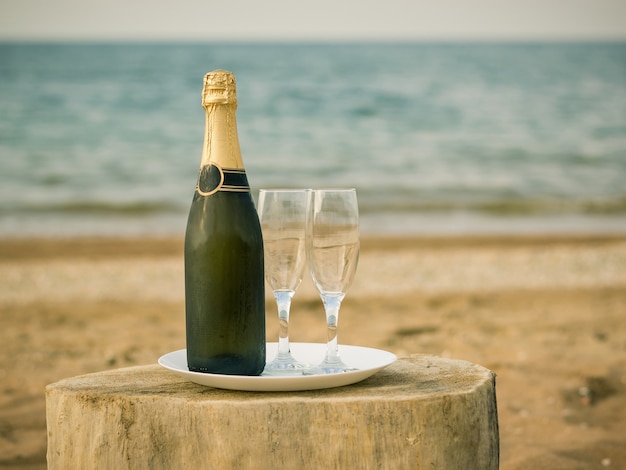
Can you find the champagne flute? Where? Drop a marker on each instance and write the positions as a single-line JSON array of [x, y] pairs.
[[282, 213], [333, 254]]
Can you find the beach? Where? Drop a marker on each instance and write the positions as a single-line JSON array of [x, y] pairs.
[[545, 313], [490, 178]]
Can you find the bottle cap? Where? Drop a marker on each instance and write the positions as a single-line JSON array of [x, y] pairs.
[[219, 88]]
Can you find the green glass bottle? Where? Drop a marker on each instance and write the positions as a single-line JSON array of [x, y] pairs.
[[224, 283]]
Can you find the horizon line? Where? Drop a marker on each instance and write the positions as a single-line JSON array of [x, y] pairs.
[[315, 40]]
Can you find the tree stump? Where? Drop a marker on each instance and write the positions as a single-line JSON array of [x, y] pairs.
[[422, 412]]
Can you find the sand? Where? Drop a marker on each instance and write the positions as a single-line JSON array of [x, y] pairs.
[[546, 314]]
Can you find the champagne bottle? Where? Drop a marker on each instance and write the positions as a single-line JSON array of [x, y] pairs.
[[224, 284]]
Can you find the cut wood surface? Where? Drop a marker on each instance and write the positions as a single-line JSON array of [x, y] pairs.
[[422, 412]]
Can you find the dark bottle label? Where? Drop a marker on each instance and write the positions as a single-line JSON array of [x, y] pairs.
[[214, 178]]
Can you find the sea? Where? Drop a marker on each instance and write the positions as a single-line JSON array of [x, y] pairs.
[[448, 138]]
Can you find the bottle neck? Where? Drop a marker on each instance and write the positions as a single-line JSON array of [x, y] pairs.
[[221, 142], [221, 168]]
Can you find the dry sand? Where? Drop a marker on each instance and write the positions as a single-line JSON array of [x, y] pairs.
[[546, 314]]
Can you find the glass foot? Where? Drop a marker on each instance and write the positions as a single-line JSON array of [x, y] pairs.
[[285, 365], [330, 367]]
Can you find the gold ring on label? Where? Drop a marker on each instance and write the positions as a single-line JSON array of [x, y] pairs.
[[210, 179]]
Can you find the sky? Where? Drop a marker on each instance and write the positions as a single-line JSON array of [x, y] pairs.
[[271, 20]]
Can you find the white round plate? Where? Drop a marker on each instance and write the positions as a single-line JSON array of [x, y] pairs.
[[366, 361]]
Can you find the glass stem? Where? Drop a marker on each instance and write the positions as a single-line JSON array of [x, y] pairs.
[[283, 301], [332, 303]]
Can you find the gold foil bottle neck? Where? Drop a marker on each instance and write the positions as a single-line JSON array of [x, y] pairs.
[[221, 143], [219, 88]]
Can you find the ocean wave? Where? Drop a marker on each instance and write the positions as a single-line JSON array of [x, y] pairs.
[[125, 208], [367, 206], [502, 207]]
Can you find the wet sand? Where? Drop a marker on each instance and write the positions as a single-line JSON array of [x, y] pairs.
[[546, 314]]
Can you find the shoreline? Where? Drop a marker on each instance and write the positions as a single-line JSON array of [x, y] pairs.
[[448, 224]]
